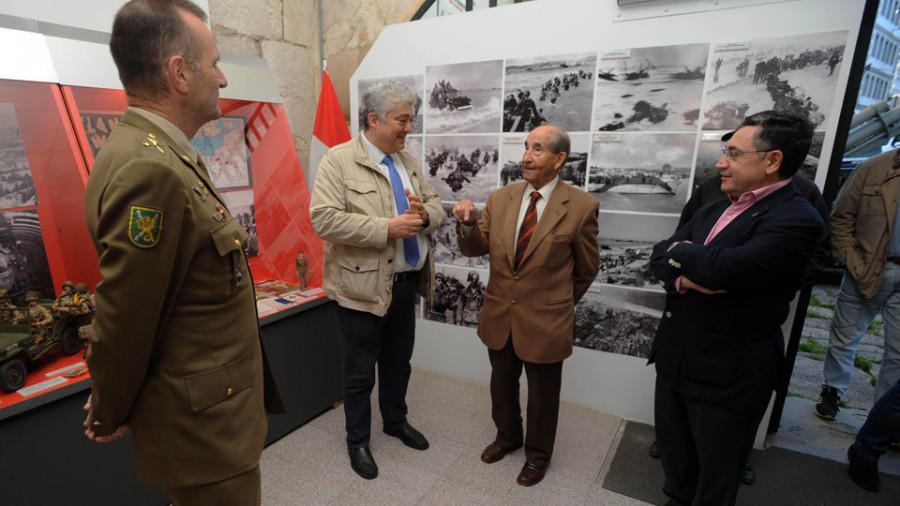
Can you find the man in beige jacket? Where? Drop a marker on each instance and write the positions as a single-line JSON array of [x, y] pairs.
[[373, 207]]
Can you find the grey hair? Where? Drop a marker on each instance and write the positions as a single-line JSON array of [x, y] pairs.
[[383, 97]]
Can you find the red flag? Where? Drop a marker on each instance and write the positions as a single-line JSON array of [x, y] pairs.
[[330, 128]]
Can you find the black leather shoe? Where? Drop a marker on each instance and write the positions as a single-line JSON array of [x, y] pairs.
[[748, 475], [410, 436], [654, 450], [362, 462], [863, 472]]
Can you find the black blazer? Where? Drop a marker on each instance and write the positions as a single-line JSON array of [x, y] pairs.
[[728, 348]]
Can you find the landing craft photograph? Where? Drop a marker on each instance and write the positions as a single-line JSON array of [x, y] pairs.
[[641, 172], [458, 296], [626, 243], [549, 89], [415, 83], [414, 147], [463, 97], [16, 183], [446, 250], [618, 320], [573, 170], [462, 167], [797, 73], [652, 88]]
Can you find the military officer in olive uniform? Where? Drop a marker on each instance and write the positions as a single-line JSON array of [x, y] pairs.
[[175, 353]]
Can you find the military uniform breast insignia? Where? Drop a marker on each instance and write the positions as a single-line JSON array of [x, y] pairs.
[[145, 226], [151, 143], [221, 216]]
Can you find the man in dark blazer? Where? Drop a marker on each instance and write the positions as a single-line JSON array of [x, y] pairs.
[[730, 274], [175, 353], [542, 238]]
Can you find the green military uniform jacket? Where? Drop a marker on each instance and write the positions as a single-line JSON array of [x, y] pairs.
[[176, 348]]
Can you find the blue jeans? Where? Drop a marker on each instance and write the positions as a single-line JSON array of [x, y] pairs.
[[882, 427], [853, 314]]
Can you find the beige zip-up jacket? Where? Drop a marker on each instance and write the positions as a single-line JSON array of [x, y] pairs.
[[863, 218], [350, 208]]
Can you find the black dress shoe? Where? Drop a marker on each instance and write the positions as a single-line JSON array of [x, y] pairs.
[[748, 475], [863, 472], [410, 436], [362, 462]]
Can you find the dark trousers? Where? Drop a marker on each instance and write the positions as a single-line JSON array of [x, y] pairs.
[[702, 446], [387, 341], [544, 383], [882, 427]]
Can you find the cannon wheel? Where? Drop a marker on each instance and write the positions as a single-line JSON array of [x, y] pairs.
[[12, 375]]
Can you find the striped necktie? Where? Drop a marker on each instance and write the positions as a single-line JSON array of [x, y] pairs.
[[410, 244], [527, 228]]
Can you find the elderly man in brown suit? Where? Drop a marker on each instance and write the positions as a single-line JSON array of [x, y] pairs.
[[175, 353], [542, 238]]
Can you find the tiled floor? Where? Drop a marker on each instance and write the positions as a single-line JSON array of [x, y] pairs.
[[310, 465]]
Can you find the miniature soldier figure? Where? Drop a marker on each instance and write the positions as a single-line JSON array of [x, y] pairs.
[[6, 316], [301, 269], [82, 301], [65, 298], [41, 319]]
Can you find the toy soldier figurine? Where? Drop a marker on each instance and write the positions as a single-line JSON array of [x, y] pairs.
[[65, 298], [82, 301], [41, 319], [301, 269], [6, 316]]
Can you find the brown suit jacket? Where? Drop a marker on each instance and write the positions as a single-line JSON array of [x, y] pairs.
[[536, 303], [175, 349]]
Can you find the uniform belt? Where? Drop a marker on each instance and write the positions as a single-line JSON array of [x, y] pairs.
[[402, 276], [894, 260]]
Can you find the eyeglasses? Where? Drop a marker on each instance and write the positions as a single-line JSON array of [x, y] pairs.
[[734, 154]]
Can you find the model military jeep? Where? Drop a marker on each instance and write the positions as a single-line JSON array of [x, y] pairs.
[[18, 346]]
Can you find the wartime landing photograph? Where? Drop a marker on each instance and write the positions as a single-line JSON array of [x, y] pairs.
[[462, 167], [549, 89], [642, 172], [458, 296], [651, 88], [23, 259], [240, 204], [16, 183], [415, 83], [573, 170], [97, 126], [463, 97], [618, 320], [626, 243], [797, 73], [446, 250]]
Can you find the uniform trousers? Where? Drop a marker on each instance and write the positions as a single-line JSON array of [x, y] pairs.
[[386, 342], [703, 447], [240, 490], [544, 383]]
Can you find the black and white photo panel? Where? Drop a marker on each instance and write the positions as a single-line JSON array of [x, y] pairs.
[[462, 166], [641, 172], [463, 97], [797, 73], [651, 88], [549, 89], [619, 320], [445, 247]]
